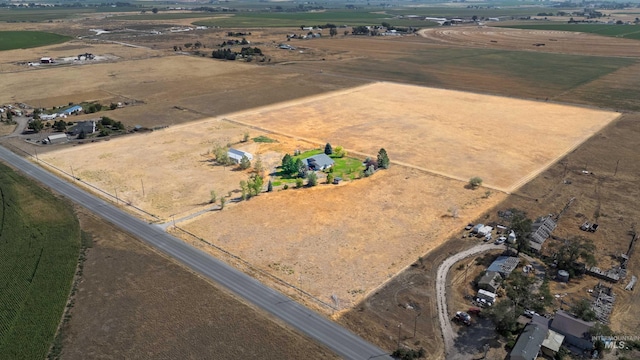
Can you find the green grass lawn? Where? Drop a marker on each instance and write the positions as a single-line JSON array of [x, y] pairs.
[[623, 31], [345, 167], [39, 248], [10, 40]]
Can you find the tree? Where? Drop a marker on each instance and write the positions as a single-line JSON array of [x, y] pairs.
[[154, 10], [301, 168], [299, 183], [333, 32], [35, 125], [188, 45], [312, 178], [9, 116], [223, 201], [383, 159], [574, 249], [369, 171], [257, 166], [270, 187], [60, 125], [329, 178], [340, 152], [474, 182], [521, 226], [255, 184], [503, 315], [244, 190], [221, 155], [288, 165], [213, 197], [245, 163], [114, 106], [582, 309], [328, 150], [245, 138]]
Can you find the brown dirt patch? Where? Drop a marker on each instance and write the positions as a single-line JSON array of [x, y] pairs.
[[135, 303], [432, 129]]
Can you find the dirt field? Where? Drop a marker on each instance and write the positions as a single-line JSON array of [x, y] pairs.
[[134, 303], [432, 129]]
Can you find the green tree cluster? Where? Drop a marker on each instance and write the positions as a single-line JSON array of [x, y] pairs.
[[245, 163], [572, 250], [251, 187], [35, 125]]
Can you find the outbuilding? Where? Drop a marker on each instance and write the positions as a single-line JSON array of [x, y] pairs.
[[46, 60], [236, 155], [57, 138]]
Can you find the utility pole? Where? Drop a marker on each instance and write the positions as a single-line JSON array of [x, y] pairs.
[[141, 182], [615, 172], [399, 328], [72, 174]]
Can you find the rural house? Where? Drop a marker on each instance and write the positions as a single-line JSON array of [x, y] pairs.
[[575, 331], [236, 155], [86, 127], [318, 162], [490, 281], [529, 342]]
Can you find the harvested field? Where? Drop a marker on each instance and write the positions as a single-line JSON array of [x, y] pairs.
[[133, 303], [432, 129]]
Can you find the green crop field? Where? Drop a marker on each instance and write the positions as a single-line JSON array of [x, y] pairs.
[[167, 16], [28, 39], [624, 31], [337, 17], [39, 249]]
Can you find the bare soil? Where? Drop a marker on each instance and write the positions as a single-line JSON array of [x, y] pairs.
[[134, 303]]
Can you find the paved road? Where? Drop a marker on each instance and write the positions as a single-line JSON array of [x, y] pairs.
[[341, 341], [441, 295]]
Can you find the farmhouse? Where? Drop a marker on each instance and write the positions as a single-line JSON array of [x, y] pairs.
[[318, 162], [575, 331], [72, 110], [86, 127], [236, 155], [56, 138], [504, 265]]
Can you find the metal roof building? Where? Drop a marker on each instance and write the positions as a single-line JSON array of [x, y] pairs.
[[504, 265], [236, 155], [528, 345], [72, 110]]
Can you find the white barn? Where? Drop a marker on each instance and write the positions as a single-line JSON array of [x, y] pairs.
[[236, 155]]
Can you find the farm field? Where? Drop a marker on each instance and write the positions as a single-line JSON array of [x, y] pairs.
[[40, 239], [432, 129], [28, 39], [620, 31], [134, 303], [342, 241]]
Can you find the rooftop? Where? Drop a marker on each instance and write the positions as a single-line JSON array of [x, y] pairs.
[[504, 265], [528, 344], [569, 325]]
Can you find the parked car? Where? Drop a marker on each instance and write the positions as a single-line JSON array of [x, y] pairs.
[[469, 226], [501, 240]]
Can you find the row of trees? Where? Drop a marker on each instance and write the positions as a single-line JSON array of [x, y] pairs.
[[229, 54]]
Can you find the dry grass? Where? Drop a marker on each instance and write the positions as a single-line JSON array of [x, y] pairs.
[[344, 240], [432, 129]]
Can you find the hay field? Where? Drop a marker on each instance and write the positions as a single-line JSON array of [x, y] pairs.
[[343, 240], [460, 135]]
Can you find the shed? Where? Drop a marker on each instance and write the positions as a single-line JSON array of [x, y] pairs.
[[57, 138], [236, 155], [551, 345], [318, 162]]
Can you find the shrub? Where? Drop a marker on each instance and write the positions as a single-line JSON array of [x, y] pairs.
[[299, 183], [474, 182]]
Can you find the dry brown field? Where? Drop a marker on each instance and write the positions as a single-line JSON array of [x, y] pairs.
[[504, 141], [134, 303], [343, 240]]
